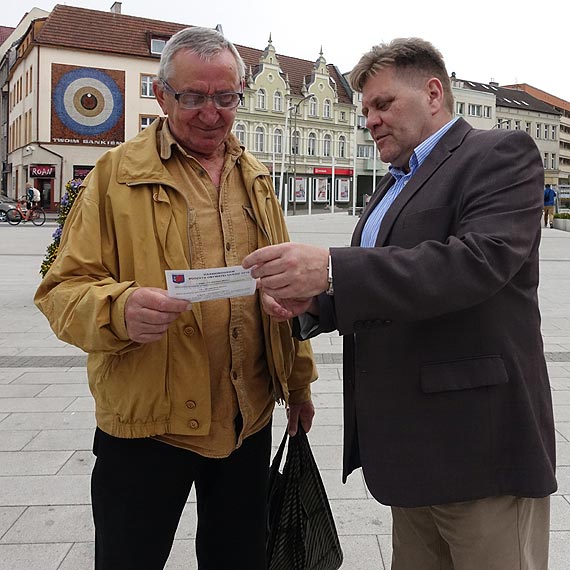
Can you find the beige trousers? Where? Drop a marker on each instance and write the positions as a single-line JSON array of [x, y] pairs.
[[497, 533]]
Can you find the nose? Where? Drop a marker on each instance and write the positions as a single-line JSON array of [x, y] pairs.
[[209, 113], [373, 120]]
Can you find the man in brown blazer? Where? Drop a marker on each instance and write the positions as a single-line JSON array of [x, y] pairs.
[[447, 399]]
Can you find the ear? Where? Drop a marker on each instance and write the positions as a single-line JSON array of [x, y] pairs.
[[159, 93], [435, 94]]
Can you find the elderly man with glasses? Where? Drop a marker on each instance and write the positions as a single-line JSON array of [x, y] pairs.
[[184, 392]]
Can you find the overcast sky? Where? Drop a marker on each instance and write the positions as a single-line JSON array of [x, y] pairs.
[[481, 40]]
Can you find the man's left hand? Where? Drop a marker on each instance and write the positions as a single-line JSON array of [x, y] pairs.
[[300, 412]]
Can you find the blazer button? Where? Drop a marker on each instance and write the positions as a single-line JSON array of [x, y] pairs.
[[190, 404], [188, 331], [193, 424], [386, 322]]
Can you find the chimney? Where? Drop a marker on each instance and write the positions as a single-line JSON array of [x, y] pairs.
[[116, 7]]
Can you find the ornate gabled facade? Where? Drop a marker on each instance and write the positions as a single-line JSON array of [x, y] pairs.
[[69, 97]]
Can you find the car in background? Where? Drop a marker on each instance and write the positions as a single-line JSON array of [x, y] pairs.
[[4, 207]]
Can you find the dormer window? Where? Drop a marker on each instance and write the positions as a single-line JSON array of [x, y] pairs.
[[156, 46]]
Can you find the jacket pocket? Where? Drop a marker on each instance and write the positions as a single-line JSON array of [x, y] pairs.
[[463, 374]]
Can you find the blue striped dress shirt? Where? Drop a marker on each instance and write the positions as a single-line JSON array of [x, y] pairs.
[[421, 152]]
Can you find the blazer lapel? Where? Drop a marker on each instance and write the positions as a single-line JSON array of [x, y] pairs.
[[437, 157]]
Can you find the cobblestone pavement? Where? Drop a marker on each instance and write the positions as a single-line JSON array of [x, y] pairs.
[[47, 421]]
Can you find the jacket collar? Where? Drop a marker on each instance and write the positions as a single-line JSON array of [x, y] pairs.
[[438, 156]]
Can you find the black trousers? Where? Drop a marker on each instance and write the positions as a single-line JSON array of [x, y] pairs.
[[139, 488]]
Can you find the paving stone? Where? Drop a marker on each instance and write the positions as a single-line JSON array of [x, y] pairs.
[[61, 440], [45, 490], [361, 553], [48, 421], [21, 391], [71, 390], [8, 516], [559, 550], [15, 440], [32, 462], [49, 524], [80, 463], [33, 556], [47, 376], [361, 517], [34, 404], [81, 556]]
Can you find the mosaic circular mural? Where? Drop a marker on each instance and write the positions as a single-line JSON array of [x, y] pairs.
[[88, 101]]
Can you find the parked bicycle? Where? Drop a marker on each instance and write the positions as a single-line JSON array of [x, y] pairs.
[[21, 213]]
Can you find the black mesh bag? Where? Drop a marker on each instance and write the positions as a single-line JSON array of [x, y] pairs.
[[302, 534]]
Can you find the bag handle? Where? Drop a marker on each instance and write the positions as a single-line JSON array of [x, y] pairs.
[[276, 463]]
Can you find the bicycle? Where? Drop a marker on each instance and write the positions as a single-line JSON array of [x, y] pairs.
[[35, 214]]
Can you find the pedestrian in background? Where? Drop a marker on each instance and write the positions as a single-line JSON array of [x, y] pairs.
[[549, 206], [447, 403]]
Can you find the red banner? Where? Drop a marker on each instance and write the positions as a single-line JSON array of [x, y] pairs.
[[337, 171]]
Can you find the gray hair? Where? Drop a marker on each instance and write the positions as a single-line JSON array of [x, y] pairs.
[[204, 42], [413, 59]]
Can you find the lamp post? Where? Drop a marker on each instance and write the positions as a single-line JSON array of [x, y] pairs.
[[498, 124], [296, 108]]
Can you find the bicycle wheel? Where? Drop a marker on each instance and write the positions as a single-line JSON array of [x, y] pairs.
[[38, 217], [13, 216]]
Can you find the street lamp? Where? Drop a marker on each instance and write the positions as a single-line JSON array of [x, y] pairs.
[[296, 108], [499, 123]]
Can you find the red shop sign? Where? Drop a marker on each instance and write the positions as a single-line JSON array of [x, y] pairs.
[[42, 171]]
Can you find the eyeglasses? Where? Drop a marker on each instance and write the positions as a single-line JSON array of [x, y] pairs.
[[190, 100]]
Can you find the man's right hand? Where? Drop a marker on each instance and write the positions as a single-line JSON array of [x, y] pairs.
[[149, 311]]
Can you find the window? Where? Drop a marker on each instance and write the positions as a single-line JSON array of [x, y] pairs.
[[145, 121], [517, 125], [327, 109], [261, 99], [475, 110], [295, 142], [312, 144], [259, 139], [277, 141], [240, 133], [341, 147], [313, 107], [538, 130], [459, 108], [156, 46], [553, 161], [327, 145], [277, 101], [146, 85], [343, 115], [545, 131], [545, 160], [553, 132], [527, 127], [365, 151], [361, 122], [488, 112]]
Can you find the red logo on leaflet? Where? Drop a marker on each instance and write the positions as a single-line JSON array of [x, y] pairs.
[[178, 279], [42, 171]]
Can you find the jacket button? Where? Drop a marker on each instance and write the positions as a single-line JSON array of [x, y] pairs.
[[234, 375], [386, 322], [190, 404], [235, 332], [193, 424], [188, 331], [228, 246], [155, 196]]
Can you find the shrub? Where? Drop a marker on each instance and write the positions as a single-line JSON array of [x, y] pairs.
[[72, 190]]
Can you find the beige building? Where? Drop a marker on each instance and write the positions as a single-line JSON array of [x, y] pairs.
[[67, 98]]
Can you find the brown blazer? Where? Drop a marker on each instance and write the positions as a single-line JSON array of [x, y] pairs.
[[446, 392]]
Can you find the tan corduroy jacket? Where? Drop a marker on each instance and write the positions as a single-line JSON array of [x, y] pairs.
[[122, 233]]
